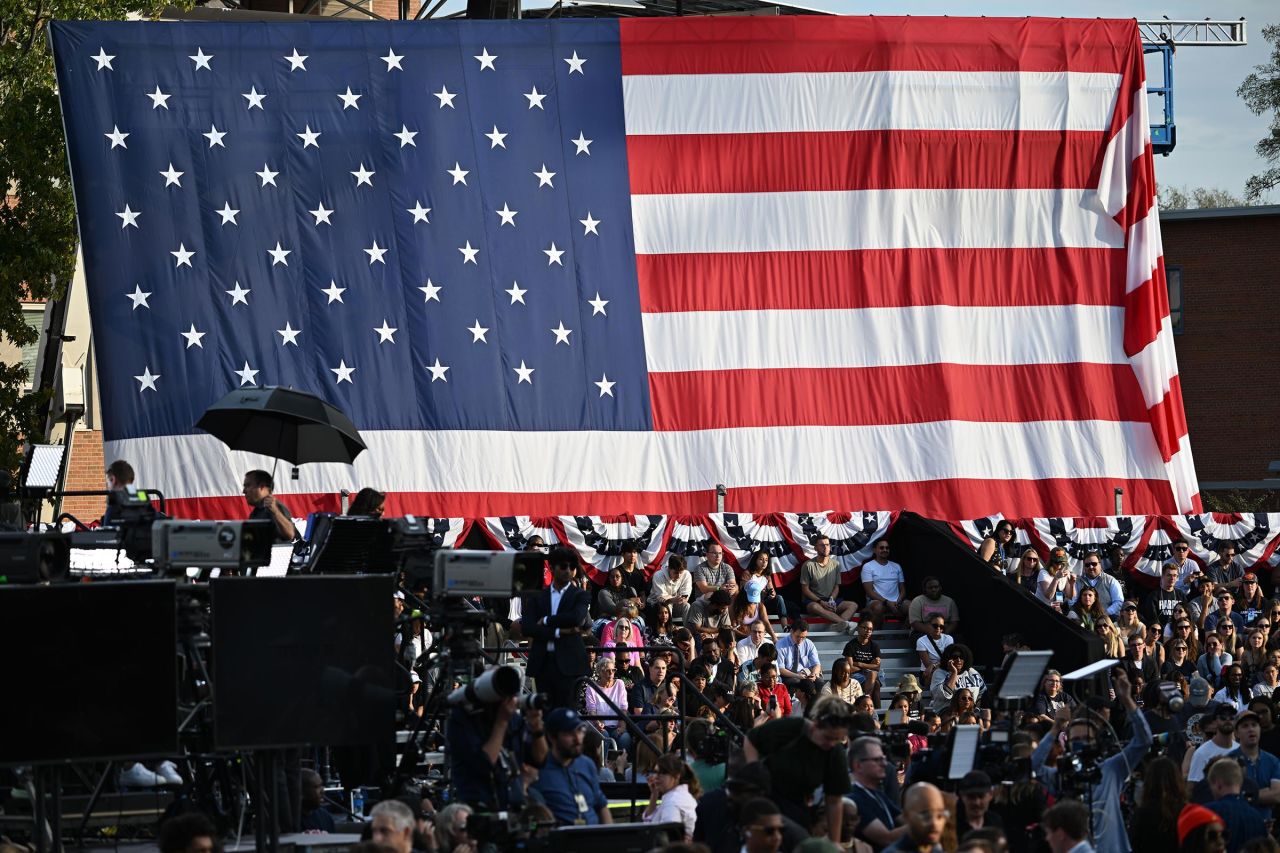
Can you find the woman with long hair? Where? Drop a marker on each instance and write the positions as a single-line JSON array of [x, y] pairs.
[[1231, 639], [759, 575], [1088, 609], [1112, 645], [1154, 826], [624, 635], [660, 630], [746, 609], [1027, 573], [995, 550], [369, 503], [1215, 658], [1255, 654], [1155, 650], [1128, 623], [1179, 613], [673, 793], [1183, 628], [1233, 692], [1177, 658], [842, 684]]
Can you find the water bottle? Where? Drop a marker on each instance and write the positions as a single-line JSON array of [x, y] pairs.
[[357, 802]]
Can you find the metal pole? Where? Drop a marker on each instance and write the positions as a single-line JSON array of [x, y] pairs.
[[721, 491], [1119, 502]]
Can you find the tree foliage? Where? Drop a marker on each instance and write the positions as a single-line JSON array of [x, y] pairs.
[[1261, 93], [1181, 198], [37, 224]]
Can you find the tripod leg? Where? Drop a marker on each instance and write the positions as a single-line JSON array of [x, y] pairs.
[[259, 807], [93, 801], [55, 817]]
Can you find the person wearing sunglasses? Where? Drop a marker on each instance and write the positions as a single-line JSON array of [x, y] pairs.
[[1109, 591], [1180, 559], [931, 646], [1158, 605]]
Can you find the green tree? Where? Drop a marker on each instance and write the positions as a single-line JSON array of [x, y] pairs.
[[1261, 93], [1180, 198], [37, 222]]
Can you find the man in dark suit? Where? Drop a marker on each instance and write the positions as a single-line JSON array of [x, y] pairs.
[[553, 621]]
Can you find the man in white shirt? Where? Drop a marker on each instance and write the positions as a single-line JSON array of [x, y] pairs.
[[749, 646], [885, 585], [931, 647], [1219, 722], [672, 586]]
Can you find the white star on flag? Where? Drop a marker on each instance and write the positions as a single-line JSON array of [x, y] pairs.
[[459, 174], [582, 144], [535, 98], [386, 334], [363, 175], [172, 177], [375, 254], [393, 60], [525, 373], [309, 137], [267, 176], [201, 59], [239, 294], [343, 372], [438, 370], [544, 177], [478, 333], [431, 291], [508, 215], [322, 214], [159, 99], [419, 212], [333, 292], [248, 376], [254, 97], [129, 217], [553, 254], [575, 64], [148, 379], [589, 225], [605, 386], [214, 136], [182, 257], [468, 253], [496, 138], [517, 293], [279, 255], [139, 297], [446, 98], [193, 337], [288, 335], [103, 60], [486, 60], [297, 62], [406, 136], [350, 99], [562, 334], [117, 138], [228, 213], [597, 305]]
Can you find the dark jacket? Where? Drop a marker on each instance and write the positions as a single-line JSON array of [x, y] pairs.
[[570, 655]]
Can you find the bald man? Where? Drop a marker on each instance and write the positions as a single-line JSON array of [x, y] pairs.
[[926, 814]]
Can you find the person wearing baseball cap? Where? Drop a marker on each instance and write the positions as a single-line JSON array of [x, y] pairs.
[[1218, 723], [1260, 766], [1200, 831], [975, 804], [568, 782]]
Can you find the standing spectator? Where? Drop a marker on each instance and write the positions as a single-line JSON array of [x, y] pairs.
[[1110, 593], [714, 574], [976, 792], [1153, 828], [119, 477], [673, 794], [1218, 725], [728, 815], [1157, 606], [957, 672], [259, 493], [931, 646], [391, 823], [1027, 574], [748, 646], [568, 782], [820, 587], [1260, 767], [885, 586], [707, 616], [863, 656], [997, 549], [798, 656], [880, 819], [1050, 698], [552, 622], [932, 603], [759, 573], [672, 586], [1226, 780], [1055, 585], [1226, 571], [927, 815], [633, 574], [1066, 827], [1200, 831]]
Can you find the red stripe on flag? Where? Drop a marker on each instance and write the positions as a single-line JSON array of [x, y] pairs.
[[894, 395], [862, 160], [1145, 309], [817, 44], [1169, 420], [880, 278], [933, 498]]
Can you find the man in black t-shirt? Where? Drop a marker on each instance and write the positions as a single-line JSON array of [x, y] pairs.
[[259, 487], [863, 657], [803, 754], [1157, 606]]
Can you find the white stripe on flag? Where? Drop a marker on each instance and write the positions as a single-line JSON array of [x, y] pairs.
[[872, 219], [884, 337], [874, 100], [550, 462]]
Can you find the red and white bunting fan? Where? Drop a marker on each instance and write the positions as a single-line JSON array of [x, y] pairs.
[[1256, 536], [688, 536], [513, 532], [1101, 534], [852, 535], [599, 540], [742, 534]]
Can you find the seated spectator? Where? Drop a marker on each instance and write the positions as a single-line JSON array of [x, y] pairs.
[[1214, 660], [1050, 698], [673, 794], [1155, 649], [748, 645], [1254, 655], [1181, 560], [909, 686], [369, 503], [863, 656], [765, 653], [1177, 659], [1224, 613], [719, 670], [745, 614], [186, 832], [933, 604], [1137, 664], [803, 697], [842, 683], [745, 710], [315, 817], [956, 672], [640, 696], [1250, 601], [1267, 682], [1027, 574], [899, 711], [1184, 629], [623, 636], [708, 615], [798, 656], [615, 594], [683, 639], [998, 549], [1128, 623], [1110, 593], [931, 646], [1234, 692], [1056, 585], [714, 574], [759, 574], [774, 697], [1226, 571], [1232, 639], [1086, 609], [660, 626], [820, 587], [885, 586], [864, 705], [1158, 605], [633, 573], [612, 727], [672, 586]]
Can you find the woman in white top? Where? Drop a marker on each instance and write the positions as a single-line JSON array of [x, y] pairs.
[[674, 783]]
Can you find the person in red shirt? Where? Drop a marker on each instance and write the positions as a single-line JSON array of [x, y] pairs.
[[773, 694]]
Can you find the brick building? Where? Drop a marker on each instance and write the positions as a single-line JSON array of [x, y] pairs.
[[1224, 271]]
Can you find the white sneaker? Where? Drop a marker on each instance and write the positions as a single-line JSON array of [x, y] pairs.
[[138, 776], [168, 771], [851, 627]]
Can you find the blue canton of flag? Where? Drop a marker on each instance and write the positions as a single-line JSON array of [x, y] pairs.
[[428, 226]]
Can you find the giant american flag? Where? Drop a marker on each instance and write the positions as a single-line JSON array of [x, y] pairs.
[[596, 267]]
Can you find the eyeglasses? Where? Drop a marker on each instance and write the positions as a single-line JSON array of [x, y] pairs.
[[879, 759], [937, 625], [1092, 565], [1180, 647], [767, 830], [944, 814]]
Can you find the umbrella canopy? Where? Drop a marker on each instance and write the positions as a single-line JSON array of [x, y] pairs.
[[291, 425]]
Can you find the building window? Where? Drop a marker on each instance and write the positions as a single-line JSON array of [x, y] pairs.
[[33, 316], [1173, 278]]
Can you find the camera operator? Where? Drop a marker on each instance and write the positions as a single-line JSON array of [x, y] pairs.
[[1099, 787], [569, 783], [487, 747]]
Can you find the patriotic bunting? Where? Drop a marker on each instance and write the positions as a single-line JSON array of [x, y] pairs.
[[1082, 535], [1253, 533], [599, 542], [742, 534], [852, 535]]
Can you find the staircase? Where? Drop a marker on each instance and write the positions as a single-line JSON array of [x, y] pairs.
[[897, 654]]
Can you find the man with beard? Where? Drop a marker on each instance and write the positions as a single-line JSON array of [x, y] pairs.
[[568, 782]]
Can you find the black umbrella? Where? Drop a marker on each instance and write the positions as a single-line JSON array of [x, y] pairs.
[[291, 425]]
